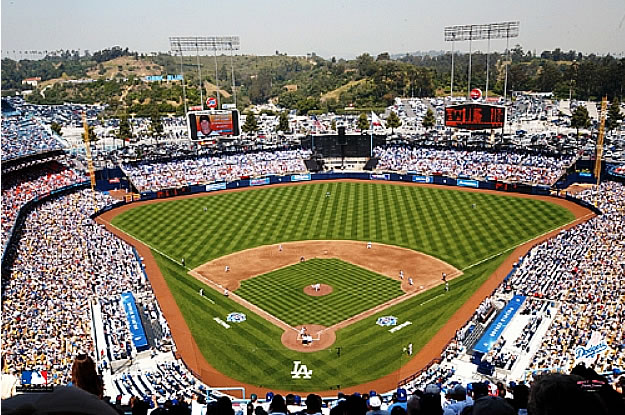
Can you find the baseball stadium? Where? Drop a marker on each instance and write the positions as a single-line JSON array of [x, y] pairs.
[[352, 270]]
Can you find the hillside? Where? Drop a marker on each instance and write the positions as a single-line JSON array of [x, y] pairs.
[[125, 66], [336, 93]]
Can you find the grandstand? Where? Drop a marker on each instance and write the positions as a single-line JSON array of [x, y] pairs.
[[70, 286]]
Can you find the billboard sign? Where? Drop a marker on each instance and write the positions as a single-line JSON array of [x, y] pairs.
[[135, 325], [216, 186], [385, 176], [422, 179], [211, 102], [475, 116], [468, 183], [213, 123], [300, 177], [259, 182]]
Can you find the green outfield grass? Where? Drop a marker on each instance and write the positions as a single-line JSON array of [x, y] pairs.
[[438, 221], [281, 292]]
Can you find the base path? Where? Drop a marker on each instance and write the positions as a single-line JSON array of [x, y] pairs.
[[193, 358], [420, 272], [424, 270]]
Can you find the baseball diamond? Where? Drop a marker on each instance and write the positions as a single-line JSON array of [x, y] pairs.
[[438, 222]]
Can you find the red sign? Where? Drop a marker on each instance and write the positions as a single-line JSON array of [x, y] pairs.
[[475, 116], [211, 102], [476, 94]]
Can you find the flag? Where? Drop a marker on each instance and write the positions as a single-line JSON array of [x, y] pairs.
[[317, 123], [376, 121], [114, 180]]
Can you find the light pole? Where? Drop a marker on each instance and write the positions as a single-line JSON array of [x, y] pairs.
[[196, 44]]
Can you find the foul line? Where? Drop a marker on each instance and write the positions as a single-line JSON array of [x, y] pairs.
[[431, 299], [151, 247], [159, 252], [523, 243]]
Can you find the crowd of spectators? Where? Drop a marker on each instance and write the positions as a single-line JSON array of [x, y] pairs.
[[178, 173], [503, 166], [30, 183], [583, 269], [25, 136], [62, 261]]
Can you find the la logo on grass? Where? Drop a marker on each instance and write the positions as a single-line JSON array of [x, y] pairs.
[[300, 370]]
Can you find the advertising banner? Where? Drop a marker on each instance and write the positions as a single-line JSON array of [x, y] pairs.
[[259, 182], [215, 186], [139, 338], [300, 177], [468, 183], [422, 179], [492, 333], [380, 177]]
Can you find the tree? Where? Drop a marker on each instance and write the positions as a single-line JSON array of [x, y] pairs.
[[363, 123], [580, 118], [283, 122], [92, 136], [429, 120], [156, 125], [56, 128], [250, 126], [614, 115], [125, 132], [393, 121]]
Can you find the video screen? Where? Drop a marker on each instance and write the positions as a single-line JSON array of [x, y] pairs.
[[204, 125], [475, 116]]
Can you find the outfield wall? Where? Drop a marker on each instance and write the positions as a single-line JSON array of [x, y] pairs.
[[392, 177]]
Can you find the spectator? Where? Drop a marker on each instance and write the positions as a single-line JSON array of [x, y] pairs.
[[85, 376], [278, 406]]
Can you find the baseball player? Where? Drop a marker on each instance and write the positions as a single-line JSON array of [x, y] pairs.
[[401, 274], [227, 268], [369, 245], [410, 281], [280, 247], [201, 292]]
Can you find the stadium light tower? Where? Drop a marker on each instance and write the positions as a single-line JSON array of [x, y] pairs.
[[180, 45], [503, 30]]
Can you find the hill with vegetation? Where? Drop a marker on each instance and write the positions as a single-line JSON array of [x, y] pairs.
[[307, 83]]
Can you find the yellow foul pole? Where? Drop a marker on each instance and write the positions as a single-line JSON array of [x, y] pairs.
[[89, 161]]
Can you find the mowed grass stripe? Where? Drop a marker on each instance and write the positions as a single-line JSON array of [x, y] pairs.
[[437, 221]]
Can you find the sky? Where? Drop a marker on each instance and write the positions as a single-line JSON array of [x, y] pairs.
[[340, 28]]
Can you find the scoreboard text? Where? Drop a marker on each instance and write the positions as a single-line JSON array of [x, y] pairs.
[[475, 116]]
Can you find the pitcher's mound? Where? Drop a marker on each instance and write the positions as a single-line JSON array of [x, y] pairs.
[[323, 289], [318, 339]]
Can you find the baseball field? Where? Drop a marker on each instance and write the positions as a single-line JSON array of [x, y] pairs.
[[466, 234]]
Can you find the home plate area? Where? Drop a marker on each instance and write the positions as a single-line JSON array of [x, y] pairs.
[[308, 338]]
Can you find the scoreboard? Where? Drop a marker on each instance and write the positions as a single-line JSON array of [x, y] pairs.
[[475, 116]]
